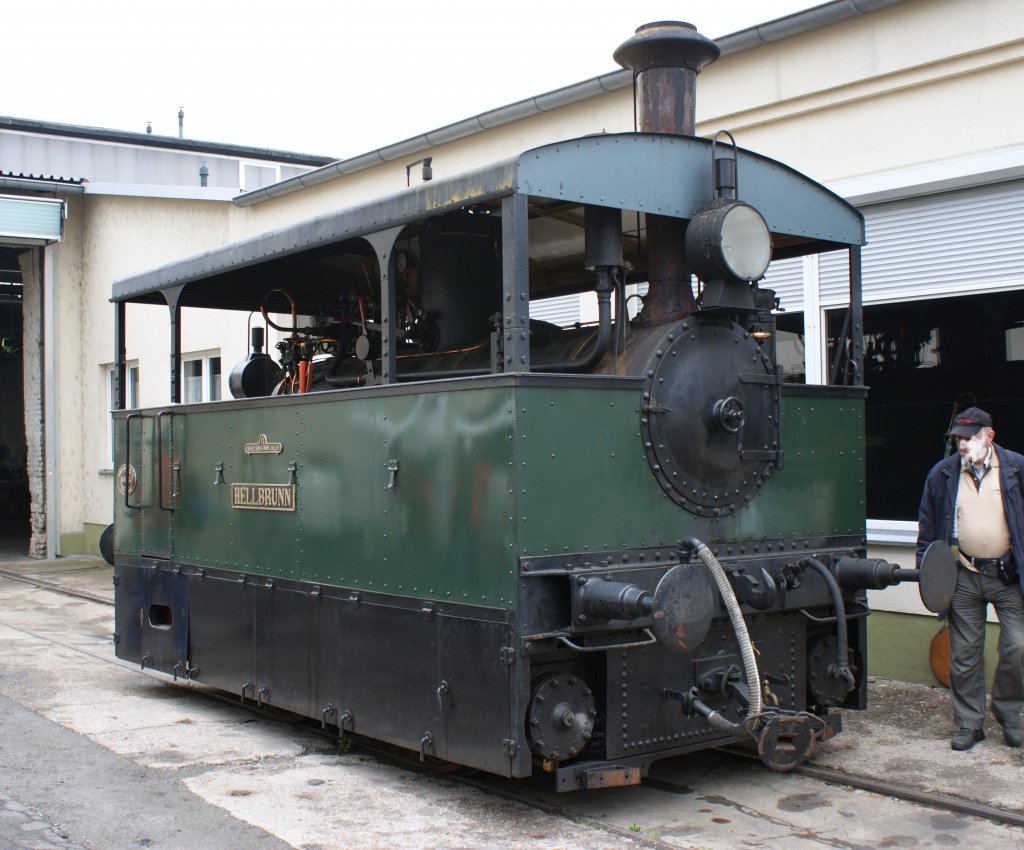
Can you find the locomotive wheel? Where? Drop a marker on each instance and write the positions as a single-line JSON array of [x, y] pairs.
[[561, 716]]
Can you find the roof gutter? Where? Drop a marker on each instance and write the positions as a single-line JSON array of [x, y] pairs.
[[29, 185], [798, 23]]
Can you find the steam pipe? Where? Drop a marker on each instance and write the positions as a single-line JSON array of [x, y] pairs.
[[604, 332], [715, 719], [842, 670]]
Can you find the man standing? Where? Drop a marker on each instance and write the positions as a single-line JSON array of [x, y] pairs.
[[972, 500]]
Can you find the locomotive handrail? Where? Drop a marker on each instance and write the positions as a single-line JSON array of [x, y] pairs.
[[127, 461], [604, 647], [159, 462], [859, 613]]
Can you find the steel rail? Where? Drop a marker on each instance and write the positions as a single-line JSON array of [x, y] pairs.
[[55, 588], [926, 798], [888, 789]]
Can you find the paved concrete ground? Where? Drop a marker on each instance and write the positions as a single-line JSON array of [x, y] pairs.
[[118, 758], [23, 827], [199, 773]]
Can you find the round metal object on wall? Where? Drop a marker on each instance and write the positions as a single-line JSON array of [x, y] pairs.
[[560, 719], [785, 742], [710, 416], [683, 606], [937, 576], [826, 688]]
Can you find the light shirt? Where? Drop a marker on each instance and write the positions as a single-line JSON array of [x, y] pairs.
[[979, 522]]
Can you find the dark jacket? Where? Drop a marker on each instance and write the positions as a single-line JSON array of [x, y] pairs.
[[935, 516]]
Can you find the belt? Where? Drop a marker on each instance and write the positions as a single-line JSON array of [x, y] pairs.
[[988, 566]]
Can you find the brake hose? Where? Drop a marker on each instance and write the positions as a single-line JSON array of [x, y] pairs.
[[739, 626]]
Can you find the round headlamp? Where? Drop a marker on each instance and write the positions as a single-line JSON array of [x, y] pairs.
[[729, 242]]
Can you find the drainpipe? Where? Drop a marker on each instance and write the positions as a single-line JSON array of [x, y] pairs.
[[51, 433]]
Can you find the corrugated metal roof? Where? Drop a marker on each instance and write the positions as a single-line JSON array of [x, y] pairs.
[[71, 181], [149, 140]]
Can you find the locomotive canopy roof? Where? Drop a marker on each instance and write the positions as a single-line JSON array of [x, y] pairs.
[[647, 173]]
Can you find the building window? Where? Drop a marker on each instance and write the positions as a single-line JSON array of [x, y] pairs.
[[213, 379], [201, 378], [131, 399]]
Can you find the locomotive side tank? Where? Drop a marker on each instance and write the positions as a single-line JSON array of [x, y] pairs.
[[437, 522]]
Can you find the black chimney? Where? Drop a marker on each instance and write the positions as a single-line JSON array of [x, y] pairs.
[[665, 58]]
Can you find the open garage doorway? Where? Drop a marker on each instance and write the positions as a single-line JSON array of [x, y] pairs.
[[14, 500]]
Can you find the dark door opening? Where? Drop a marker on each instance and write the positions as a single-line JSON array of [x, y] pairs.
[[14, 496], [924, 360]]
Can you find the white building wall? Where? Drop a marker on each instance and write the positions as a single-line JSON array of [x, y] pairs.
[[921, 82], [612, 113], [121, 237]]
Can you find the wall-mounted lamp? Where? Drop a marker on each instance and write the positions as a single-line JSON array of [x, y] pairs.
[[204, 175], [427, 173]]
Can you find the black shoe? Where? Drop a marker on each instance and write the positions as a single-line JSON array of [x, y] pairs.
[[967, 738], [1013, 735]]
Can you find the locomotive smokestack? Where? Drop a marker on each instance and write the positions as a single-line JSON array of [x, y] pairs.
[[665, 58]]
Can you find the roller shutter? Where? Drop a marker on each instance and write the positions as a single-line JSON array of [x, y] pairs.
[[30, 221], [563, 311], [786, 277], [955, 243]]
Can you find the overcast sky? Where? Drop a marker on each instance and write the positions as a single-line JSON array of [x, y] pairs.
[[330, 78]]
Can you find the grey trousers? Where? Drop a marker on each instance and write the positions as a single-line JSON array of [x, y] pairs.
[[967, 643]]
